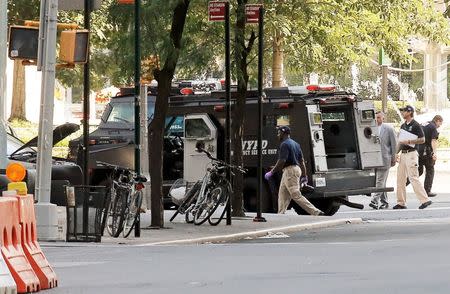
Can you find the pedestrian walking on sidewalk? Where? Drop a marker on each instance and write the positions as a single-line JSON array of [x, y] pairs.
[[290, 160], [388, 142], [427, 152], [410, 136]]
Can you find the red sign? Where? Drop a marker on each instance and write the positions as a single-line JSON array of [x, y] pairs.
[[252, 13], [216, 10]]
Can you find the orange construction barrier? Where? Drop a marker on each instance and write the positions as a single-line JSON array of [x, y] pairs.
[[33, 251], [11, 247]]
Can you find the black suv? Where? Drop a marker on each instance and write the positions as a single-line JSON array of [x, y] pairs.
[[113, 140]]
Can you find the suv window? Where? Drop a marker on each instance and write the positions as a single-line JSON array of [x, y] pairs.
[[123, 112], [197, 128]]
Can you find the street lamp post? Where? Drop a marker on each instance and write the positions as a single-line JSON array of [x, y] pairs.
[[3, 36]]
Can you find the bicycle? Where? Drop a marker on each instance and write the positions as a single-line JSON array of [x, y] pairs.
[[126, 200], [208, 194]]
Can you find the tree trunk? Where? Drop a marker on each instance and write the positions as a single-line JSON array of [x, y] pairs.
[[156, 128], [18, 96], [277, 61], [241, 54]]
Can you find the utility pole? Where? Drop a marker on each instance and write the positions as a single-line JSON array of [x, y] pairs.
[[384, 88], [3, 39], [86, 95], [47, 222]]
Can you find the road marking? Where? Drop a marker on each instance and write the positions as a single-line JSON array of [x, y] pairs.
[[392, 210], [420, 220]]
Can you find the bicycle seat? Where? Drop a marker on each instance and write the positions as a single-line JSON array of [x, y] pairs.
[[140, 179]]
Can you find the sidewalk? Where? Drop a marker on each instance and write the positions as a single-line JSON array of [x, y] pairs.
[[179, 232]]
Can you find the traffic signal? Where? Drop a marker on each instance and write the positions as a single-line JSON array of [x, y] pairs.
[[23, 42], [74, 45]]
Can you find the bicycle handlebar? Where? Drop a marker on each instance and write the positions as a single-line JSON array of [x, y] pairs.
[[238, 168]]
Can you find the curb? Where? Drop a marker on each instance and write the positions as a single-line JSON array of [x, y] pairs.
[[259, 233]]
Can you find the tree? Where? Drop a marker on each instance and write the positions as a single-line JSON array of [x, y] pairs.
[[328, 36], [156, 128], [241, 53]]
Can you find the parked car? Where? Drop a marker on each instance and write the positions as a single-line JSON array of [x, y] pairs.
[[64, 172]]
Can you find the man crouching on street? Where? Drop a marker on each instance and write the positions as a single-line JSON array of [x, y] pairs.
[[290, 160]]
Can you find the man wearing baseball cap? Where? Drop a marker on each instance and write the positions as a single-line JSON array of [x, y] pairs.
[[290, 160], [409, 160]]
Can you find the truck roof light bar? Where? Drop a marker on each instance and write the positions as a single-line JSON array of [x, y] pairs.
[[283, 105], [187, 91], [219, 108]]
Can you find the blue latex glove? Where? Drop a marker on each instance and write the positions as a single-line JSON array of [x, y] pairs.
[[304, 180], [268, 175]]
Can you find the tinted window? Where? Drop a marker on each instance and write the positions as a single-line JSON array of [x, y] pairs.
[[121, 112], [333, 116], [197, 128], [124, 112], [177, 126]]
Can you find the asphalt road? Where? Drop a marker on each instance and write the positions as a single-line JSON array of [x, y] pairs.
[[391, 252]]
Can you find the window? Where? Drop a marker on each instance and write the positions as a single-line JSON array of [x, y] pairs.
[[333, 116], [121, 112], [197, 128], [176, 127], [283, 120]]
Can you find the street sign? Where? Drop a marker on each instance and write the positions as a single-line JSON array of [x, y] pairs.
[[77, 4], [216, 10], [252, 13]]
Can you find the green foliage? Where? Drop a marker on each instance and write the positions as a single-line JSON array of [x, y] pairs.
[[392, 115], [324, 36], [443, 142], [328, 36]]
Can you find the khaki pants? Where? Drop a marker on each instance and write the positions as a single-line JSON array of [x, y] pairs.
[[408, 168], [290, 189]]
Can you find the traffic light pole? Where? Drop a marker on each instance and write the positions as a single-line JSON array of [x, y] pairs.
[[47, 223], [228, 102], [137, 109], [259, 217], [3, 40], [86, 95]]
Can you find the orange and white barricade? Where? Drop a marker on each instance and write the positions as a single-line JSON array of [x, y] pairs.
[[33, 251], [7, 284], [11, 247]]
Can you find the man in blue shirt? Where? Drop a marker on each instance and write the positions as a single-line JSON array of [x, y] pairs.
[[290, 160]]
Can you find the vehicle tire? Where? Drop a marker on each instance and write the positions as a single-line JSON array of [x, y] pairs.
[[328, 205], [132, 213], [222, 201], [116, 211]]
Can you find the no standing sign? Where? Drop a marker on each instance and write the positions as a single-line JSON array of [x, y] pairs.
[[216, 10]]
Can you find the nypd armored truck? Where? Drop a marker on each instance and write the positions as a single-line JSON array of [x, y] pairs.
[[336, 130]]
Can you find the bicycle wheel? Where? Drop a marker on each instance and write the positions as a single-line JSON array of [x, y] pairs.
[[114, 222], [188, 200], [132, 213], [205, 208], [222, 199]]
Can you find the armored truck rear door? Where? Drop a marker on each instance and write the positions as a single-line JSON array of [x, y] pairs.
[[198, 127], [367, 130]]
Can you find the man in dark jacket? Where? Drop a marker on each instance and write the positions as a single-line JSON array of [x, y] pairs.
[[427, 152], [290, 161]]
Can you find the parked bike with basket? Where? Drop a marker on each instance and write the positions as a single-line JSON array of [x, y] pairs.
[[126, 200], [200, 200]]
